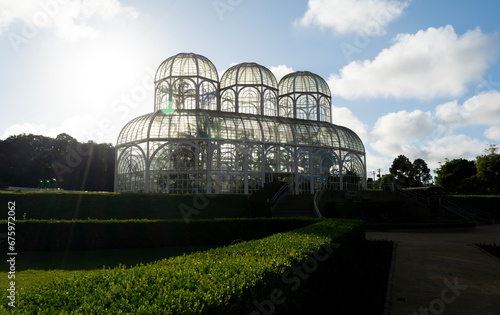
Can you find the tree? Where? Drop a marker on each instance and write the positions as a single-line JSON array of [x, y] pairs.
[[488, 169], [27, 159], [409, 174], [386, 181], [402, 170], [457, 175], [421, 173]]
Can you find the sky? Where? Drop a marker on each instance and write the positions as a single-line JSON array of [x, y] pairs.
[[414, 77]]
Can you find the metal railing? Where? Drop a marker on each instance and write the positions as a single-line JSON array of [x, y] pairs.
[[465, 211], [317, 197], [278, 196], [460, 209]]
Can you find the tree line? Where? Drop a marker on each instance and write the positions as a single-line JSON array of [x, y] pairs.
[[481, 175], [63, 162], [459, 175]]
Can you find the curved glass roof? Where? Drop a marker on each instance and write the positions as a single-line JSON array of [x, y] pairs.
[[220, 126], [187, 65], [303, 82], [248, 73]]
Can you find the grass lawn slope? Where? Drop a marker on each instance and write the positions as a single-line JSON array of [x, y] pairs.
[[224, 280]]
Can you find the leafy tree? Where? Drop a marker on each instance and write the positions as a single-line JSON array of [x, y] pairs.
[[488, 169], [457, 175], [409, 174], [387, 180]]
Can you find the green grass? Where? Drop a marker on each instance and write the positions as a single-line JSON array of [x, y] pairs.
[[224, 280]]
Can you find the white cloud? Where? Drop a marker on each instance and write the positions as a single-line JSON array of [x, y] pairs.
[[449, 113], [397, 133], [280, 71], [429, 64], [493, 133], [72, 20], [417, 134], [345, 16], [481, 109], [452, 147]]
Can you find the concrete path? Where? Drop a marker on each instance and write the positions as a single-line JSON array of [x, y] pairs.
[[444, 273]]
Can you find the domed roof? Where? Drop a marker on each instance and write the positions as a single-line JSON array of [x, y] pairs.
[[187, 65], [303, 82], [188, 124], [248, 73]]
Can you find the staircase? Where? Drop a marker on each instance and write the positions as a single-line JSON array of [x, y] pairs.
[[458, 209], [295, 206]]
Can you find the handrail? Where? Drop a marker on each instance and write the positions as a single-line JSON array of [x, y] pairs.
[[468, 208], [278, 196], [317, 196], [462, 210], [455, 208]]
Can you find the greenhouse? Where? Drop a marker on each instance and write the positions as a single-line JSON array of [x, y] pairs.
[[234, 135]]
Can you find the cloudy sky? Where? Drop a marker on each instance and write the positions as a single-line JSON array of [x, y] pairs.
[[417, 77]]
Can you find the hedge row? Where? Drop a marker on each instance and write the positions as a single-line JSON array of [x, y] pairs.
[[36, 235], [264, 275], [103, 206]]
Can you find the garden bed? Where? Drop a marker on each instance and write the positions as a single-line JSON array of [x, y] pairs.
[[226, 280]]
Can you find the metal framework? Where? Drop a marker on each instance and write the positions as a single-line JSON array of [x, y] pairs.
[[232, 137]]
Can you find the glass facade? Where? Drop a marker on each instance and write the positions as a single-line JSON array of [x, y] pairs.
[[236, 135]]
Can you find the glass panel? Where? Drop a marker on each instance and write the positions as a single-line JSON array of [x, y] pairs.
[[249, 101]]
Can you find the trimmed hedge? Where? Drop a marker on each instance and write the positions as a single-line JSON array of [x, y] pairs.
[[36, 235], [237, 279], [44, 205]]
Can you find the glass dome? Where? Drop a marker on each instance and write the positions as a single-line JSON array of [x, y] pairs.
[[249, 88], [186, 81], [304, 95], [187, 65]]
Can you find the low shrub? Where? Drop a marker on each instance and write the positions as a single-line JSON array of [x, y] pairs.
[[44, 205], [227, 280], [36, 235]]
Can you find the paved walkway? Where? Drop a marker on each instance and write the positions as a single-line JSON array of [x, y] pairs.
[[444, 273]]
